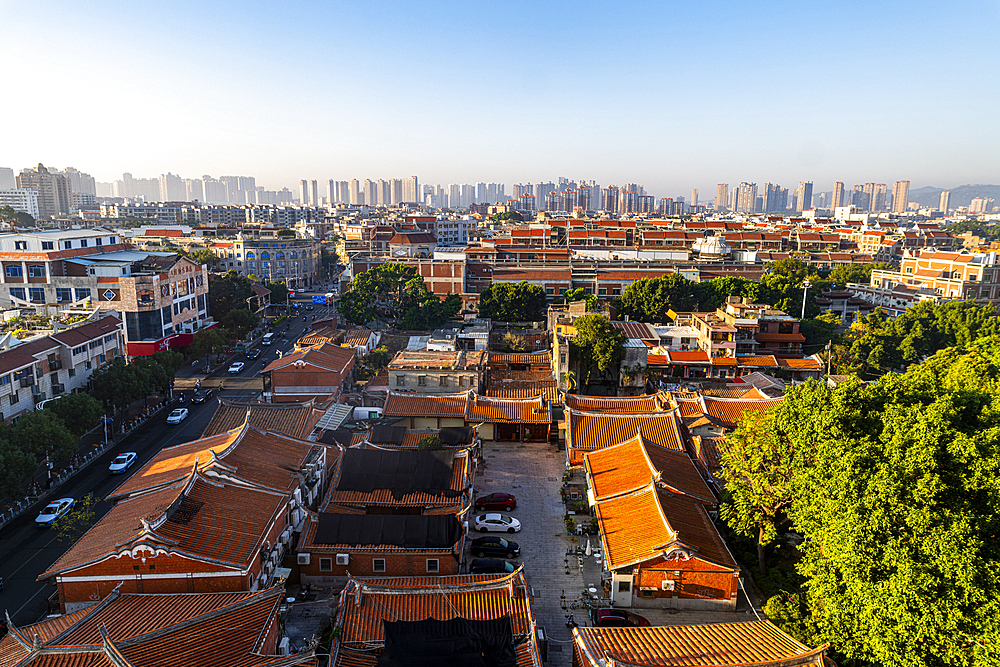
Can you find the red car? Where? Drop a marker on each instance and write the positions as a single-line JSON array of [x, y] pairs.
[[496, 501], [617, 618]]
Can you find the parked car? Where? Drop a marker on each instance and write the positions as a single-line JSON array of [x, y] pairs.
[[617, 618], [236, 367], [122, 463], [493, 545], [497, 522], [177, 416], [253, 354], [53, 511], [201, 396], [496, 501], [490, 566]]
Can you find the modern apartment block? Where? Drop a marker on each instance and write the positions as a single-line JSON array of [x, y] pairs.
[[53, 190], [24, 200], [957, 275]]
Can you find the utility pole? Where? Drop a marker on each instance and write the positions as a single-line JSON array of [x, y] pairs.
[[805, 290], [829, 356]]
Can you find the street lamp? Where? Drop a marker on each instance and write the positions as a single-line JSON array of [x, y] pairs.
[[805, 289]]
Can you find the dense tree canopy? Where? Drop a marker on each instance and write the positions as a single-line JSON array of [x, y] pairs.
[[895, 487], [597, 344], [80, 412], [396, 293], [512, 302], [227, 292]]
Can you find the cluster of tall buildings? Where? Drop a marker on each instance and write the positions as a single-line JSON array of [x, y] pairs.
[[772, 198], [380, 192], [173, 188]]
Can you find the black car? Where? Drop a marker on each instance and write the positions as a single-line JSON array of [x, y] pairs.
[[494, 545], [490, 566], [309, 307], [253, 354], [200, 396]]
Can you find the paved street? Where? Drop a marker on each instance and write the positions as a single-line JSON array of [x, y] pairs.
[[27, 551]]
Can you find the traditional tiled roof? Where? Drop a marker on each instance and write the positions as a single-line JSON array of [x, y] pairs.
[[356, 337], [807, 364], [261, 458], [366, 604], [326, 356], [621, 404], [639, 330], [294, 419], [713, 645], [688, 357], [709, 450], [528, 358], [550, 394], [630, 465], [176, 630], [198, 518], [781, 337], [589, 431], [767, 361], [509, 411], [460, 360], [651, 522], [450, 497], [336, 531], [408, 404], [499, 377], [730, 410]]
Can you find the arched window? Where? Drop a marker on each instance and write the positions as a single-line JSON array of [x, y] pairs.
[[280, 255], [251, 255], [265, 255]]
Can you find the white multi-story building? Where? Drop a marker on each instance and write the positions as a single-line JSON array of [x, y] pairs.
[[20, 199]]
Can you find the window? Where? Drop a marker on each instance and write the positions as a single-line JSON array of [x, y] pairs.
[[326, 565], [13, 271], [36, 270], [13, 398], [562, 358], [79, 350], [549, 291], [422, 380], [152, 567], [110, 338], [135, 568], [48, 245], [72, 372], [443, 381], [67, 245], [250, 255], [82, 293], [17, 293], [89, 365], [20, 245], [432, 564], [400, 380], [37, 294], [378, 565], [94, 344], [616, 291], [64, 294], [83, 243], [602, 291], [624, 586], [99, 241], [4, 380]]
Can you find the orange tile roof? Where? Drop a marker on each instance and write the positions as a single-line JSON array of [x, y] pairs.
[[550, 394], [294, 419], [730, 410], [630, 465], [651, 522], [589, 431], [688, 357], [781, 337], [407, 404], [198, 518], [529, 358], [647, 403], [711, 645], [366, 603], [509, 411], [709, 450], [801, 364], [326, 356], [767, 361], [355, 337]]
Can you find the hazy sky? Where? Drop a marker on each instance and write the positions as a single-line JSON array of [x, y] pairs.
[[672, 95]]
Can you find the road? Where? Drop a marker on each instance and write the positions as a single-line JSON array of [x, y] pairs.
[[26, 551]]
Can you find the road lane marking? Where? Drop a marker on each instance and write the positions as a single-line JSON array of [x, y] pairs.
[[45, 546], [40, 590]]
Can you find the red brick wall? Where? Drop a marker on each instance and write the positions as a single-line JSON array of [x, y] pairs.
[[396, 564], [698, 580]]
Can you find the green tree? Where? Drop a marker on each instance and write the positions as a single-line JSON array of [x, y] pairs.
[[649, 299], [507, 215], [16, 466], [204, 342], [759, 463], [227, 292], [238, 322], [328, 258], [72, 525], [430, 443], [279, 291], [819, 331], [116, 386], [580, 294], [80, 412], [42, 432], [512, 302], [597, 344], [511, 342], [854, 273], [377, 292], [792, 268], [286, 233]]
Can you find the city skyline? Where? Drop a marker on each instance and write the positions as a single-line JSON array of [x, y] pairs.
[[442, 107]]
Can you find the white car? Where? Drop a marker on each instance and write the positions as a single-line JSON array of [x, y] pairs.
[[177, 416], [53, 511], [122, 463], [236, 367], [301, 290], [497, 522]]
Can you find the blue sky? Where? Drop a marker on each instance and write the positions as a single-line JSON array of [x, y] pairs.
[[670, 95]]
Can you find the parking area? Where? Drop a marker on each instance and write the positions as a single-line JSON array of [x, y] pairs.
[[533, 472]]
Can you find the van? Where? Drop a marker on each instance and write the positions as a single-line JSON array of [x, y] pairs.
[[268, 339]]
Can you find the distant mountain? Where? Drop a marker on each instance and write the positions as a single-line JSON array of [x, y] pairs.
[[960, 196]]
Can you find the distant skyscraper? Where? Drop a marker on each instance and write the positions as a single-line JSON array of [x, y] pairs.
[[804, 196], [331, 192], [454, 195], [194, 190], [304, 192], [355, 195], [411, 190], [481, 193], [53, 190], [900, 196], [746, 198], [878, 197], [172, 188], [943, 202], [722, 196], [7, 181], [314, 199], [694, 196], [468, 194], [837, 199], [79, 181]]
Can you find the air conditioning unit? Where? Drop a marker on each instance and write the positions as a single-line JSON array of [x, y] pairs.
[[343, 559], [303, 559], [667, 584]]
